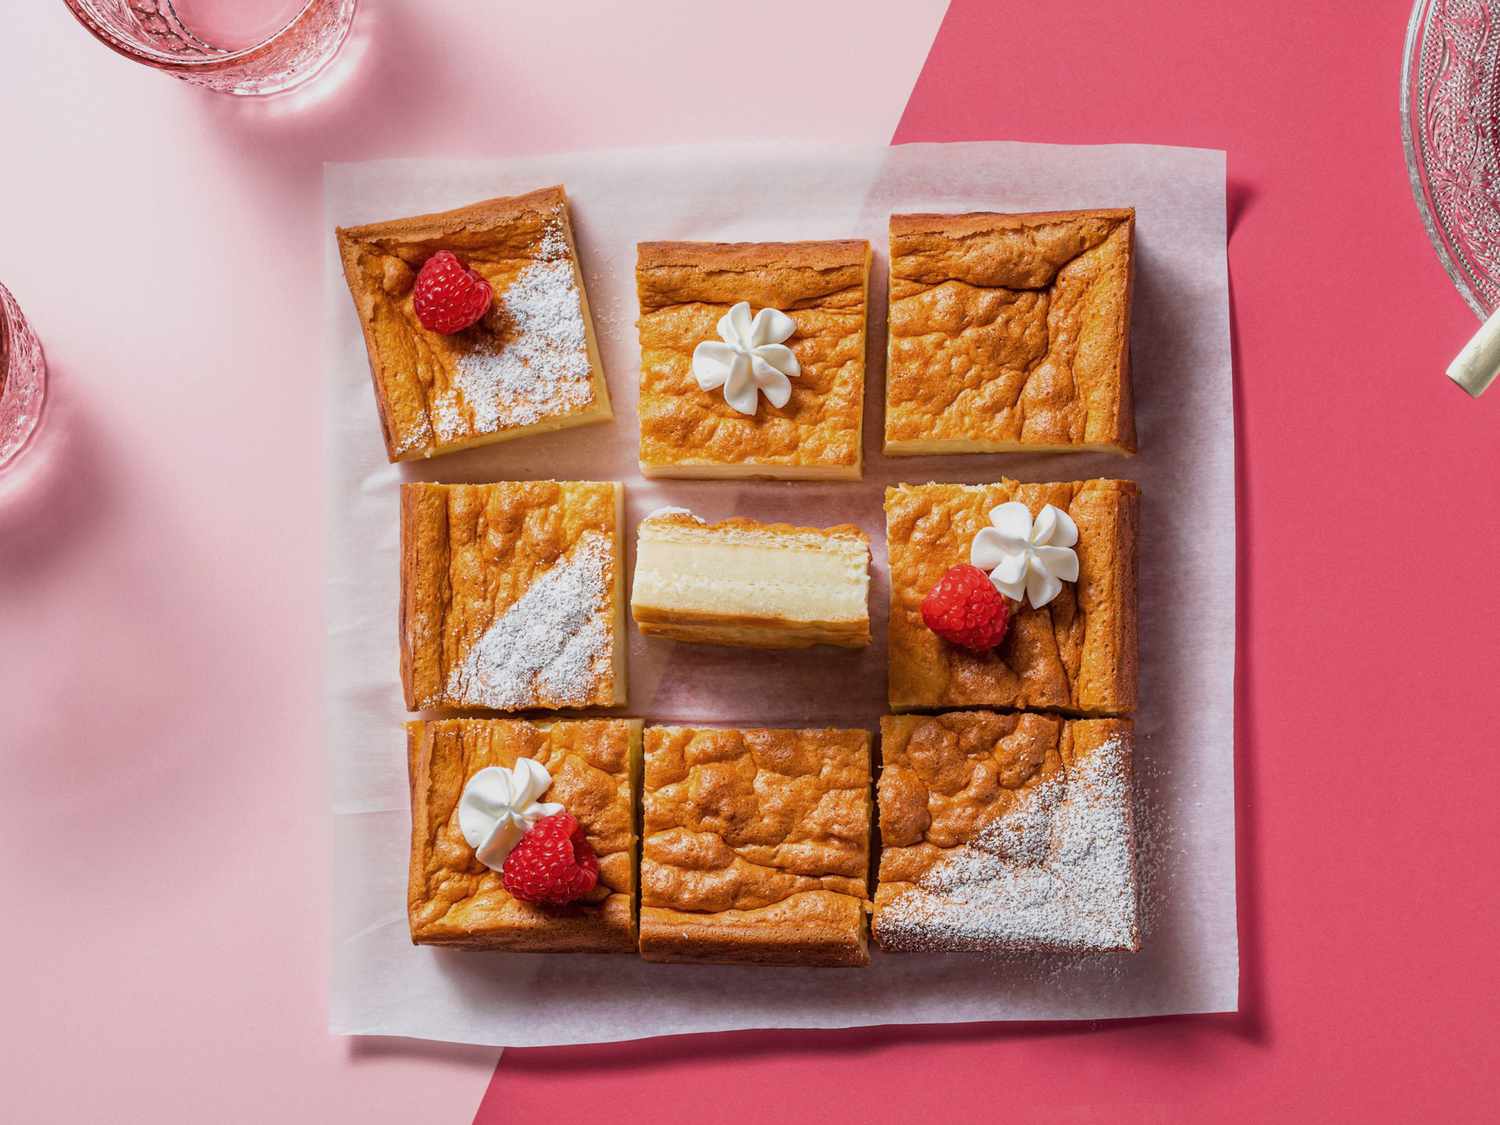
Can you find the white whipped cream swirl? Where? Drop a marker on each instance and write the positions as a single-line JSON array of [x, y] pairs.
[[752, 359], [1027, 558], [500, 805]]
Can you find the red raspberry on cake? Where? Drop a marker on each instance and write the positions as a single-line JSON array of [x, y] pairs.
[[553, 864], [448, 296], [966, 610]]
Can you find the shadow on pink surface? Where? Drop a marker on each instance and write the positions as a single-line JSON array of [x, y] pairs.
[[1251, 1021], [150, 617], [392, 62], [789, 1071], [51, 496], [673, 1051], [374, 1048]]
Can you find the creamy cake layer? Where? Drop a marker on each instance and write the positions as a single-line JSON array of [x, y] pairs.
[[740, 582]]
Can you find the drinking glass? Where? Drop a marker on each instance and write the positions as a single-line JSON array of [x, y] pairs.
[[177, 39], [1450, 123], [23, 380]]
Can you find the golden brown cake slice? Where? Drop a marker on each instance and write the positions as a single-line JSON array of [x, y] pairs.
[[802, 378], [1075, 654], [755, 846], [1010, 332], [755, 585], [454, 898], [1004, 833], [512, 595], [529, 366]]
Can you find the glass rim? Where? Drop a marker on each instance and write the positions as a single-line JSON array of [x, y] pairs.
[[7, 299], [167, 60], [31, 394], [1413, 145]]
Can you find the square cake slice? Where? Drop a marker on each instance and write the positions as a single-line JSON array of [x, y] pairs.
[[754, 585], [1006, 833], [456, 899], [1075, 654], [1010, 332], [512, 595], [802, 378], [755, 846], [531, 363]]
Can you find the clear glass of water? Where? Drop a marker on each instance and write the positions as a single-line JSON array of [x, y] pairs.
[[246, 47], [23, 380]]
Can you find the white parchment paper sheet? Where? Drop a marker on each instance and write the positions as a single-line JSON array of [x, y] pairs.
[[382, 985]]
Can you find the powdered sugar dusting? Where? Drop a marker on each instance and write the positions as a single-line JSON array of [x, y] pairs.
[[1056, 872], [417, 437], [533, 365], [554, 243], [552, 647]]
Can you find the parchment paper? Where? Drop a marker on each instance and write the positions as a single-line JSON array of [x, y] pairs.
[[382, 985]]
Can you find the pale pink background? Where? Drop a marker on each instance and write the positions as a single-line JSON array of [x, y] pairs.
[[163, 850], [161, 843]]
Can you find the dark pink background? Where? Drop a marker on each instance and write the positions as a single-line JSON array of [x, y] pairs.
[[1369, 489]]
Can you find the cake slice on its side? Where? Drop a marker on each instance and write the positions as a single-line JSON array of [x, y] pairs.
[[749, 584]]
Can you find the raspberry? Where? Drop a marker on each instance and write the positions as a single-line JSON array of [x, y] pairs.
[[965, 609], [449, 296], [553, 864]]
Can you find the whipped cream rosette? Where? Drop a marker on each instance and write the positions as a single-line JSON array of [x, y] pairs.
[[499, 805], [1027, 558], [749, 359]]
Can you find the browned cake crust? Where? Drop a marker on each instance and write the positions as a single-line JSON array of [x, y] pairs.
[[453, 899], [471, 552], [755, 846], [944, 778], [1010, 332], [414, 370], [684, 288], [1077, 654], [742, 523]]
